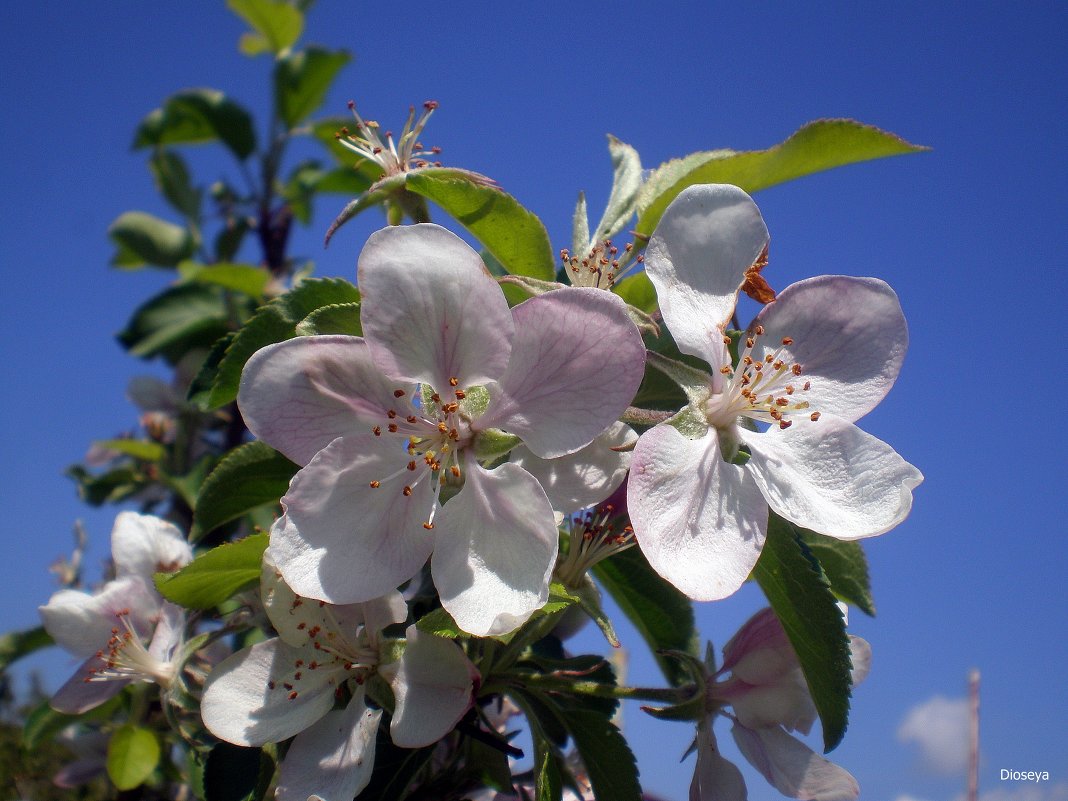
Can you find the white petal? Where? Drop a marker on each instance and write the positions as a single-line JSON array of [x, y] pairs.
[[585, 477], [378, 613], [849, 336], [786, 701], [832, 478], [495, 546], [300, 395], [247, 697], [433, 684], [577, 360], [860, 654], [333, 759], [168, 632], [343, 541], [143, 544], [82, 623], [792, 767], [430, 310], [700, 521], [697, 258], [78, 694], [714, 778]]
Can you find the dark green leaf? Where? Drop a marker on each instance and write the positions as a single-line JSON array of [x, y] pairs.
[[214, 576], [846, 568], [176, 321], [662, 614], [800, 594], [200, 388], [199, 115], [609, 762], [172, 180], [515, 236], [548, 781], [273, 323], [133, 753], [17, 644], [233, 773], [489, 765], [815, 147], [395, 769], [277, 25], [338, 318], [44, 722], [145, 239], [110, 487], [228, 240], [301, 80], [250, 476]]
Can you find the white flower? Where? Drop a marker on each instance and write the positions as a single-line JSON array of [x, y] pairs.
[[816, 359]]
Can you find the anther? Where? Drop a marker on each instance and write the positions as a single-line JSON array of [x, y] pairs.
[[411, 465], [377, 431], [814, 416], [725, 369], [726, 340], [428, 526], [759, 330], [376, 484], [392, 427], [407, 492], [391, 414], [410, 418], [787, 341], [398, 393], [785, 424], [460, 394], [455, 471], [750, 342], [796, 369], [454, 381]]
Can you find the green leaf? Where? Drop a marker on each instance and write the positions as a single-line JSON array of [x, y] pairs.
[[200, 388], [626, 181], [175, 321], [798, 591], [214, 576], [233, 773], [846, 568], [301, 81], [275, 322], [146, 239], [110, 487], [440, 623], [815, 147], [172, 180], [327, 131], [228, 240], [133, 753], [244, 278], [17, 644], [344, 181], [663, 615], [198, 115], [337, 318], [515, 236], [44, 722], [610, 764], [250, 476], [137, 448], [395, 769], [277, 25]]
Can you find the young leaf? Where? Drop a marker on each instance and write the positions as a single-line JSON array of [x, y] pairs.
[[137, 448], [172, 180], [798, 591], [815, 147], [626, 181], [580, 228], [515, 236], [17, 644], [175, 321], [244, 278], [251, 475], [215, 575], [846, 567], [302, 79], [149, 240], [337, 318], [663, 615], [133, 753], [273, 323], [277, 25], [440, 623], [199, 115]]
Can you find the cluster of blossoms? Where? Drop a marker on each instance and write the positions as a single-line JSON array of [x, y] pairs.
[[472, 437]]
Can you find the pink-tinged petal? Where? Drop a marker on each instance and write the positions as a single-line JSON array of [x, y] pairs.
[[78, 694], [785, 701], [860, 654], [576, 362], [761, 634], [433, 684], [342, 540], [82, 623], [378, 613], [430, 310], [333, 759], [495, 546], [848, 334], [168, 633], [714, 778], [832, 478], [700, 521], [697, 258], [253, 697], [587, 476], [300, 395], [143, 544], [793, 768]]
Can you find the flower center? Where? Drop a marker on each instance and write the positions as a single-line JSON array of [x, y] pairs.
[[592, 537], [601, 267], [397, 157], [766, 386], [436, 433], [127, 659]]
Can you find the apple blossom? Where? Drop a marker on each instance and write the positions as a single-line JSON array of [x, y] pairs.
[[288, 685], [816, 359], [388, 425], [125, 632]]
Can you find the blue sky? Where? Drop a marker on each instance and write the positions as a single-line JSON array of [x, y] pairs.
[[966, 234]]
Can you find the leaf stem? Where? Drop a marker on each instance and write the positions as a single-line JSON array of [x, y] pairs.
[[668, 695]]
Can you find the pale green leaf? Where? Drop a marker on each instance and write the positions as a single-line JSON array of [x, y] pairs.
[[133, 753], [580, 228], [301, 81], [150, 240], [626, 181], [244, 278], [214, 576], [137, 448], [278, 23]]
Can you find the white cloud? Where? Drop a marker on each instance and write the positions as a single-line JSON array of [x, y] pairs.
[[1043, 791], [940, 728], [906, 798]]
